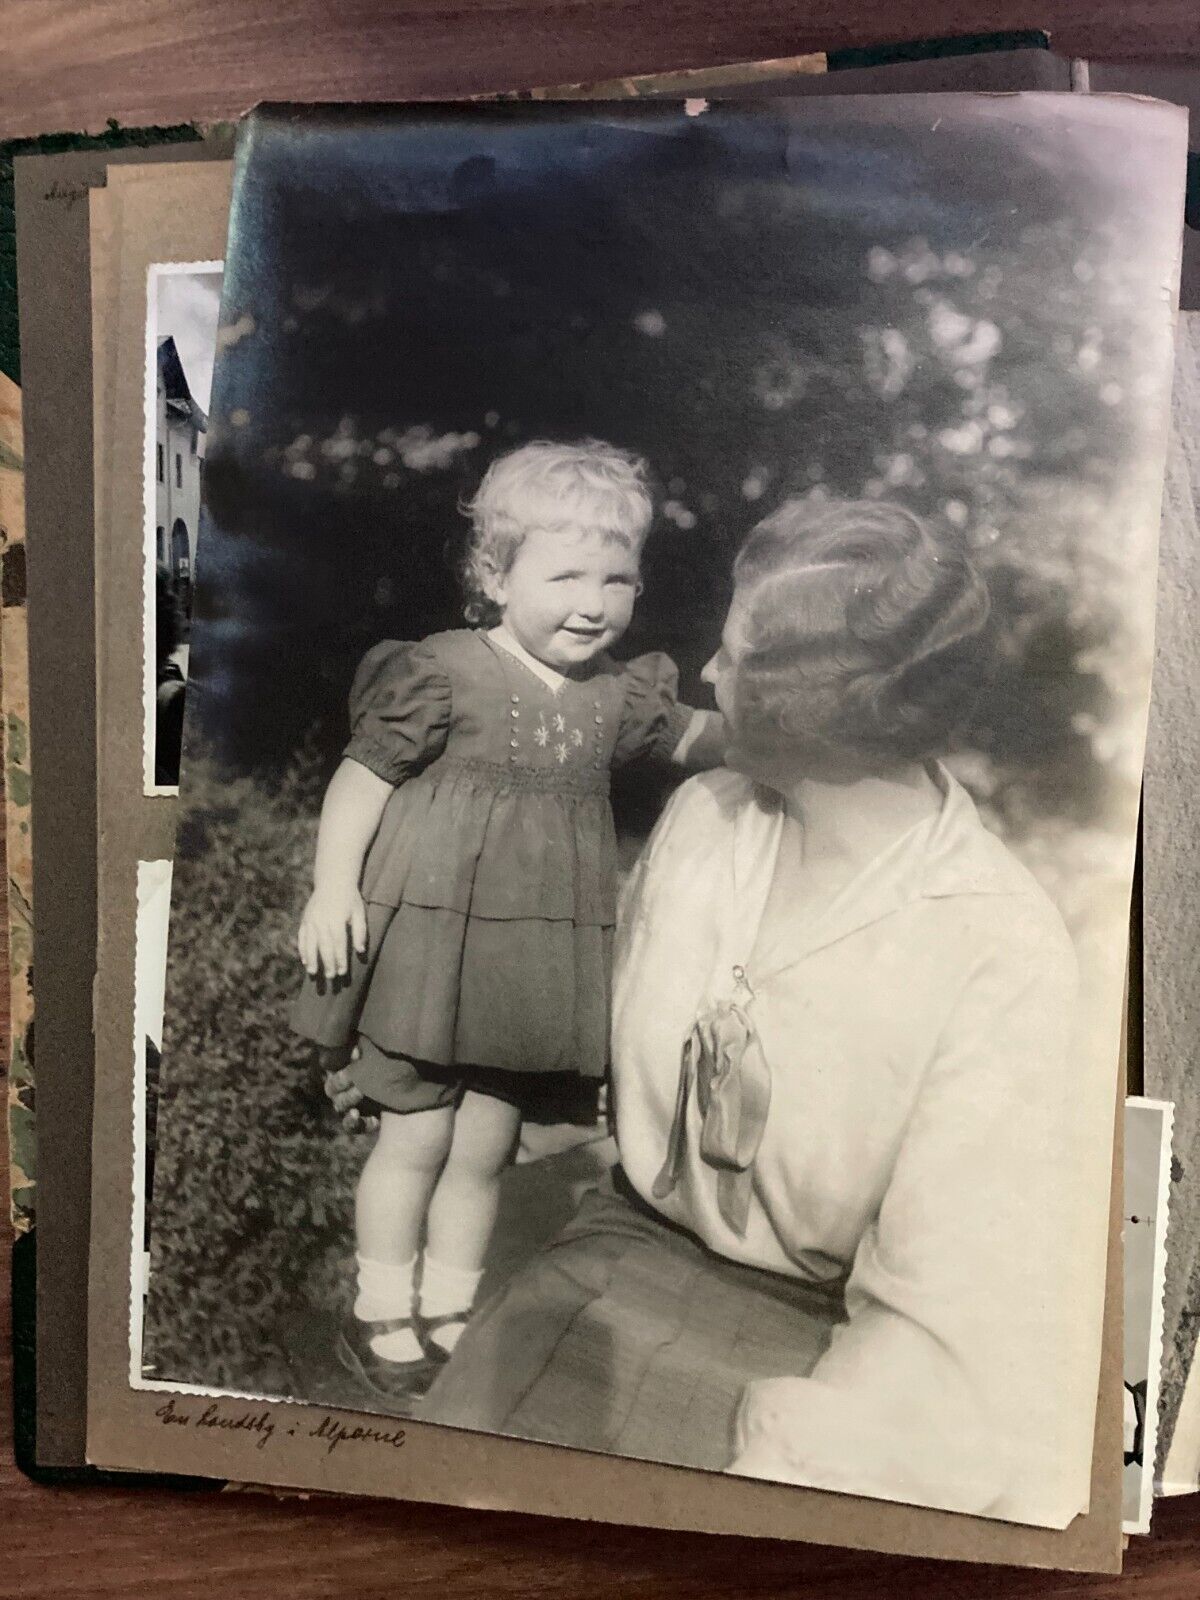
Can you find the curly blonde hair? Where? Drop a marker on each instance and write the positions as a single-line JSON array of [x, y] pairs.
[[589, 485]]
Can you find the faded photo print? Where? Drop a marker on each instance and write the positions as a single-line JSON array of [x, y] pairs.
[[183, 301], [671, 636]]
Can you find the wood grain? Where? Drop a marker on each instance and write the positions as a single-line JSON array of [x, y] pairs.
[[67, 66]]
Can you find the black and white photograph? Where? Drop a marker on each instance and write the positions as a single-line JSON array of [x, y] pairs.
[[670, 643], [183, 300], [153, 916], [1147, 1173]]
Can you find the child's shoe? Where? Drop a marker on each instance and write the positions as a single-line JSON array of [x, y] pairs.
[[425, 1327], [444, 1303], [393, 1381]]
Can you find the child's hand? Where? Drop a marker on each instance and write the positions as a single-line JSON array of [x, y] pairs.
[[346, 1099], [334, 922]]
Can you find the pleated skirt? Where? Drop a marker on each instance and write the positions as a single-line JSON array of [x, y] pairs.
[[627, 1336], [490, 910]]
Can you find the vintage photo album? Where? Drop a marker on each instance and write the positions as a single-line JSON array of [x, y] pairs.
[[577, 671]]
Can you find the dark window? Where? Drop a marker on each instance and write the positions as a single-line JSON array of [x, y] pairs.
[[160, 463], [178, 470], [160, 543], [181, 553]]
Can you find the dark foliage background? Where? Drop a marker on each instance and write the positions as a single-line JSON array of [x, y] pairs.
[[957, 304]]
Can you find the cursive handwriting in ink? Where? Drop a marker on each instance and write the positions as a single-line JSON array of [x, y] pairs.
[[71, 193], [334, 1433], [259, 1422]]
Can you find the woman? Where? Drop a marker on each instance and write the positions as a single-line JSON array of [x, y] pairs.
[[834, 1250]]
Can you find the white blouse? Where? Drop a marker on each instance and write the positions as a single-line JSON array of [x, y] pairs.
[[911, 1122]]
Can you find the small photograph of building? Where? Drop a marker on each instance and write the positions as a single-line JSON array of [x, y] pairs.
[[185, 302], [179, 453]]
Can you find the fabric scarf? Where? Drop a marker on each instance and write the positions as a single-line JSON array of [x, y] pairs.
[[723, 1061]]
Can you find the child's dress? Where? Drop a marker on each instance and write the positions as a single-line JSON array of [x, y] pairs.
[[491, 884]]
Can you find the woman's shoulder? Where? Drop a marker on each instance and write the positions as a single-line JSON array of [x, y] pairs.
[[711, 801], [977, 877], [721, 789]]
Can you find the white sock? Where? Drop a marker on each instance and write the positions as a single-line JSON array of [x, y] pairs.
[[385, 1290], [446, 1290]]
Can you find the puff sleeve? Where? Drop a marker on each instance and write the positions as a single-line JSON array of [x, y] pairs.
[[957, 1379], [399, 710], [652, 720]]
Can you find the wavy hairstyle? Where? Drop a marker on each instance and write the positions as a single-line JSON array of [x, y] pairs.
[[589, 485], [863, 629]]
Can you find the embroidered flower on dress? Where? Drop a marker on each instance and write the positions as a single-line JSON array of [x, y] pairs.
[[560, 723], [576, 737], [560, 751], [542, 735]]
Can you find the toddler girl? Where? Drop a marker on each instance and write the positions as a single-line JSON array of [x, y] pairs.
[[458, 934]]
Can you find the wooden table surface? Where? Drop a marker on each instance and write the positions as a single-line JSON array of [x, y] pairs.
[[67, 66]]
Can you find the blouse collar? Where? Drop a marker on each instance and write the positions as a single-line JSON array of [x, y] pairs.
[[553, 680], [947, 854]]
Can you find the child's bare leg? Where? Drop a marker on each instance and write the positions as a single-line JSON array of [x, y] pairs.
[[397, 1180], [391, 1203], [462, 1213]]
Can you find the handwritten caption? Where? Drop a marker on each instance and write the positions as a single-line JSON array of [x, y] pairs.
[[68, 194], [265, 1425]]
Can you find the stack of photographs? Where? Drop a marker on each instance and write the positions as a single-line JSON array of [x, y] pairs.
[[622, 638]]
